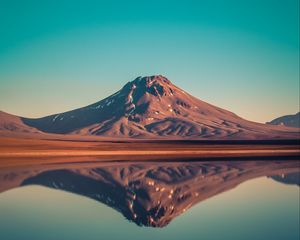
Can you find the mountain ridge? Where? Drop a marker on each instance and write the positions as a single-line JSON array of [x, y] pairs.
[[153, 107], [292, 120]]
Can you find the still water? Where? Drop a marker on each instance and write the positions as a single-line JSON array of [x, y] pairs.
[[158, 200]]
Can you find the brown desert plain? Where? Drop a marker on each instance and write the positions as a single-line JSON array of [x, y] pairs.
[[31, 151]]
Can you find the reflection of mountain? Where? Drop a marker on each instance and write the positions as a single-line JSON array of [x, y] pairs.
[[290, 178], [149, 194]]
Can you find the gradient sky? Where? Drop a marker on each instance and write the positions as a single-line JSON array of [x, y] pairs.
[[239, 55]]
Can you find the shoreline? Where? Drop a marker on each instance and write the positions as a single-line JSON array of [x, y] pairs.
[[199, 153], [21, 152]]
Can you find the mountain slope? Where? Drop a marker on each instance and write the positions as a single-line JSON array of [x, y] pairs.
[[288, 121], [9, 122], [152, 107]]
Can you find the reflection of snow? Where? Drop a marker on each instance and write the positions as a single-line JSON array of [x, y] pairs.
[[170, 109], [53, 120], [110, 102]]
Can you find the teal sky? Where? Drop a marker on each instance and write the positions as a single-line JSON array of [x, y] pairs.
[[240, 55]]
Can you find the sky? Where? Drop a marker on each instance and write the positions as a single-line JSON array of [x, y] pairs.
[[239, 55]]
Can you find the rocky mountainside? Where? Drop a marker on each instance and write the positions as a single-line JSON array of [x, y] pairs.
[[288, 121], [153, 107], [12, 123]]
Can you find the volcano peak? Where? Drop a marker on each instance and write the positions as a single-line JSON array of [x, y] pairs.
[[152, 107], [156, 85], [148, 81], [151, 79]]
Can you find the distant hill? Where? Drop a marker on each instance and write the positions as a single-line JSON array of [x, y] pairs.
[[288, 121], [291, 178], [12, 123]]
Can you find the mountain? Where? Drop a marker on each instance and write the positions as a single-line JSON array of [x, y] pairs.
[[288, 120], [148, 194], [12, 123], [291, 178], [153, 107]]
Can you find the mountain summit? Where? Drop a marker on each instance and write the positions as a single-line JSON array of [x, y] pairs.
[[153, 107]]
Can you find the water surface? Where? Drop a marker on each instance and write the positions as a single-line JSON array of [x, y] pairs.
[[190, 200]]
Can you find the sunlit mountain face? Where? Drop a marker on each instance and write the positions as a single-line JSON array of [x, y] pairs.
[[149, 194], [149, 107]]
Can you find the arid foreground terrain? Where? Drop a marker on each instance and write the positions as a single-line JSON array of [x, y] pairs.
[[22, 151]]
